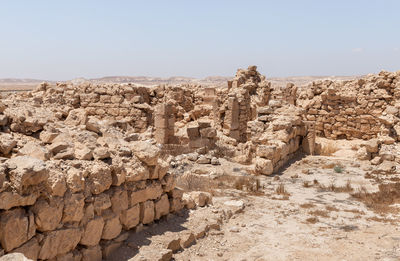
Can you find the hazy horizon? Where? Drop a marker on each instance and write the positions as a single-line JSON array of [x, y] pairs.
[[50, 40]]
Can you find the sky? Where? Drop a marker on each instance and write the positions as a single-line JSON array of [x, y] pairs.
[[61, 40]]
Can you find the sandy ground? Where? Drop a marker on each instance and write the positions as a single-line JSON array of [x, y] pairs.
[[312, 224]]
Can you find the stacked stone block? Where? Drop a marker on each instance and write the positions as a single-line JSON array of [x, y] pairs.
[[201, 134], [80, 208], [164, 123]]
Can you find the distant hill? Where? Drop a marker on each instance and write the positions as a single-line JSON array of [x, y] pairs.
[[12, 84]]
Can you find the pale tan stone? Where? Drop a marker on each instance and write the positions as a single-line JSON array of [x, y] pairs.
[[92, 232], [130, 218], [16, 228], [73, 208], [147, 212], [161, 207], [59, 242], [112, 227], [48, 213]]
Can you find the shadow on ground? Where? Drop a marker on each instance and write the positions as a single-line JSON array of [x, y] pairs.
[[130, 247]]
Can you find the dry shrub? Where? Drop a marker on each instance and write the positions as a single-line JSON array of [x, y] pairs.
[[280, 190], [331, 208], [329, 149], [320, 213], [307, 205], [355, 211], [316, 182], [312, 220], [306, 184], [383, 220], [329, 165], [381, 200], [251, 184], [332, 187], [193, 182]]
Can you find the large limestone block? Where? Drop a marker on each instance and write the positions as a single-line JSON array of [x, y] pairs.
[[82, 152], [9, 200], [56, 183], [130, 218], [112, 227], [101, 203], [264, 166], [58, 146], [26, 171], [73, 208], [77, 117], [161, 207], [75, 180], [175, 204], [160, 170], [48, 213], [146, 152], [59, 242], [201, 198], [7, 143], [119, 200], [93, 231], [137, 171], [266, 151], [99, 178], [16, 227], [153, 191], [147, 212], [193, 131], [372, 145], [34, 150]]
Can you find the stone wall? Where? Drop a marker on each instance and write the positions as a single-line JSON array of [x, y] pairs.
[[70, 187], [365, 108], [81, 208], [246, 92]]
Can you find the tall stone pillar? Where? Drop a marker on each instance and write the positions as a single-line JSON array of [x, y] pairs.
[[164, 122], [309, 139]]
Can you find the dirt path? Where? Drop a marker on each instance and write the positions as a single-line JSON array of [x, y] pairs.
[[312, 223]]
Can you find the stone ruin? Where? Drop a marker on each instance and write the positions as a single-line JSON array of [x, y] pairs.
[[81, 164]]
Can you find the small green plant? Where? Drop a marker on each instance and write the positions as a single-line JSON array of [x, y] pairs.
[[338, 169]]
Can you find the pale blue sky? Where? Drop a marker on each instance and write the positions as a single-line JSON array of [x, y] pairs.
[[60, 40]]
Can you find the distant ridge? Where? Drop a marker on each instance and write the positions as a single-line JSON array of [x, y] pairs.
[[14, 84]]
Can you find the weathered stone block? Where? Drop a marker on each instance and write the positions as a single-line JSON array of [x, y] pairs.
[[48, 213], [147, 212], [59, 242], [130, 218], [16, 227], [161, 207], [92, 232]]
